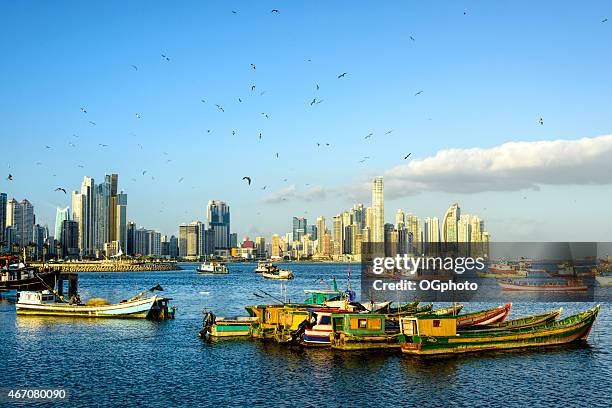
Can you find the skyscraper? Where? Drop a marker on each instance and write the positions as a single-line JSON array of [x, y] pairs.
[[61, 214], [121, 221], [3, 202], [299, 228], [449, 224], [10, 212], [23, 221], [84, 213], [219, 223], [69, 239], [320, 232], [378, 211]]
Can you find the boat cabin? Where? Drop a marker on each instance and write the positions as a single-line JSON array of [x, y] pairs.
[[44, 297], [358, 324], [428, 326]]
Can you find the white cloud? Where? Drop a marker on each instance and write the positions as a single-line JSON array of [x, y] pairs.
[[291, 192], [509, 167]]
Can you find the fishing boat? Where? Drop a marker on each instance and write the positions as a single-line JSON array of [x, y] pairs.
[[264, 267], [48, 303], [283, 274], [356, 331], [431, 336], [214, 268], [267, 318], [290, 320], [568, 286], [502, 270], [319, 296], [520, 323], [216, 326], [20, 277], [484, 317]]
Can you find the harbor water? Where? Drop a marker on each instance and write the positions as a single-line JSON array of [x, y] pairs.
[[111, 363]]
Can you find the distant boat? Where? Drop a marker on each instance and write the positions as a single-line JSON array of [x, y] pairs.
[[47, 303], [264, 267], [20, 277], [569, 286], [484, 317], [278, 274], [427, 336], [212, 268]]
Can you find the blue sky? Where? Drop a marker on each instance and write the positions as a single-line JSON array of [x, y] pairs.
[[487, 77]]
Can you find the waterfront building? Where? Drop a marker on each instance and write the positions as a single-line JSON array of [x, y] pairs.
[[219, 221], [233, 240], [390, 240], [23, 220], [189, 240], [260, 247], [321, 231], [102, 209], [378, 211], [299, 228], [131, 232], [449, 224], [338, 237], [10, 212], [400, 219], [69, 239], [357, 216], [120, 221], [39, 236], [276, 246], [311, 231], [3, 203], [61, 214], [84, 213], [431, 234]]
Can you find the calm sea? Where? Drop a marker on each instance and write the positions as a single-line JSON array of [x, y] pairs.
[[111, 363]]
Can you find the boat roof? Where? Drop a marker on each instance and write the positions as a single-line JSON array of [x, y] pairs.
[[321, 291]]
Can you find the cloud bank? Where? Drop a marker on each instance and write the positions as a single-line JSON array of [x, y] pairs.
[[512, 166]]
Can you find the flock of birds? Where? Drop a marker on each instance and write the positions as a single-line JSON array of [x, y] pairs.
[[247, 179]]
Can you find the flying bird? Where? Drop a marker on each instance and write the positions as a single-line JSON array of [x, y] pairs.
[[411, 38], [92, 123], [248, 179], [234, 12], [342, 75], [102, 145], [60, 189], [233, 133], [313, 101], [389, 131], [541, 121], [253, 66], [277, 155], [265, 115], [144, 172], [83, 109], [262, 93], [181, 179], [260, 135], [407, 156], [81, 166], [252, 87], [220, 107], [138, 116], [264, 187], [165, 57], [369, 135], [10, 177], [604, 20], [274, 11], [418, 93], [48, 147], [135, 67], [317, 86], [239, 100]]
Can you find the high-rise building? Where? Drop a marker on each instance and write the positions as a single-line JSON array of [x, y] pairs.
[[233, 240], [449, 224], [131, 235], [219, 222], [338, 230], [24, 220], [276, 246], [378, 211], [299, 228], [121, 221], [190, 240], [101, 218], [390, 240], [357, 216], [3, 203], [260, 247], [39, 236], [321, 229], [112, 183], [84, 212], [61, 214], [69, 239], [400, 219], [10, 212]]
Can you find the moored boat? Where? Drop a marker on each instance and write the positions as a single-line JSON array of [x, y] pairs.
[[484, 317], [216, 326], [47, 303], [356, 331], [568, 286], [23, 278], [282, 274], [604, 280], [212, 268], [432, 336]]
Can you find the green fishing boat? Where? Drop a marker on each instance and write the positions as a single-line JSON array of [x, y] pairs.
[[434, 336], [215, 326], [356, 331]]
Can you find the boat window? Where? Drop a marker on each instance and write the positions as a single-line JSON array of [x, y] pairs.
[[362, 323], [436, 323], [325, 320]]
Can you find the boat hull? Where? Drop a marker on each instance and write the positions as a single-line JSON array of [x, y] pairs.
[[512, 286], [139, 309], [557, 333], [377, 342], [484, 317], [42, 281], [230, 329]]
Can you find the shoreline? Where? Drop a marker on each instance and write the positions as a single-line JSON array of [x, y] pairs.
[[82, 267]]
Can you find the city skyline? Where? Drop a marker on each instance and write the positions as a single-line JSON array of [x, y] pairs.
[[525, 151]]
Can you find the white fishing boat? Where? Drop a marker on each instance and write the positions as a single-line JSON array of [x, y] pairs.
[[264, 267], [212, 268], [278, 274], [47, 303]]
